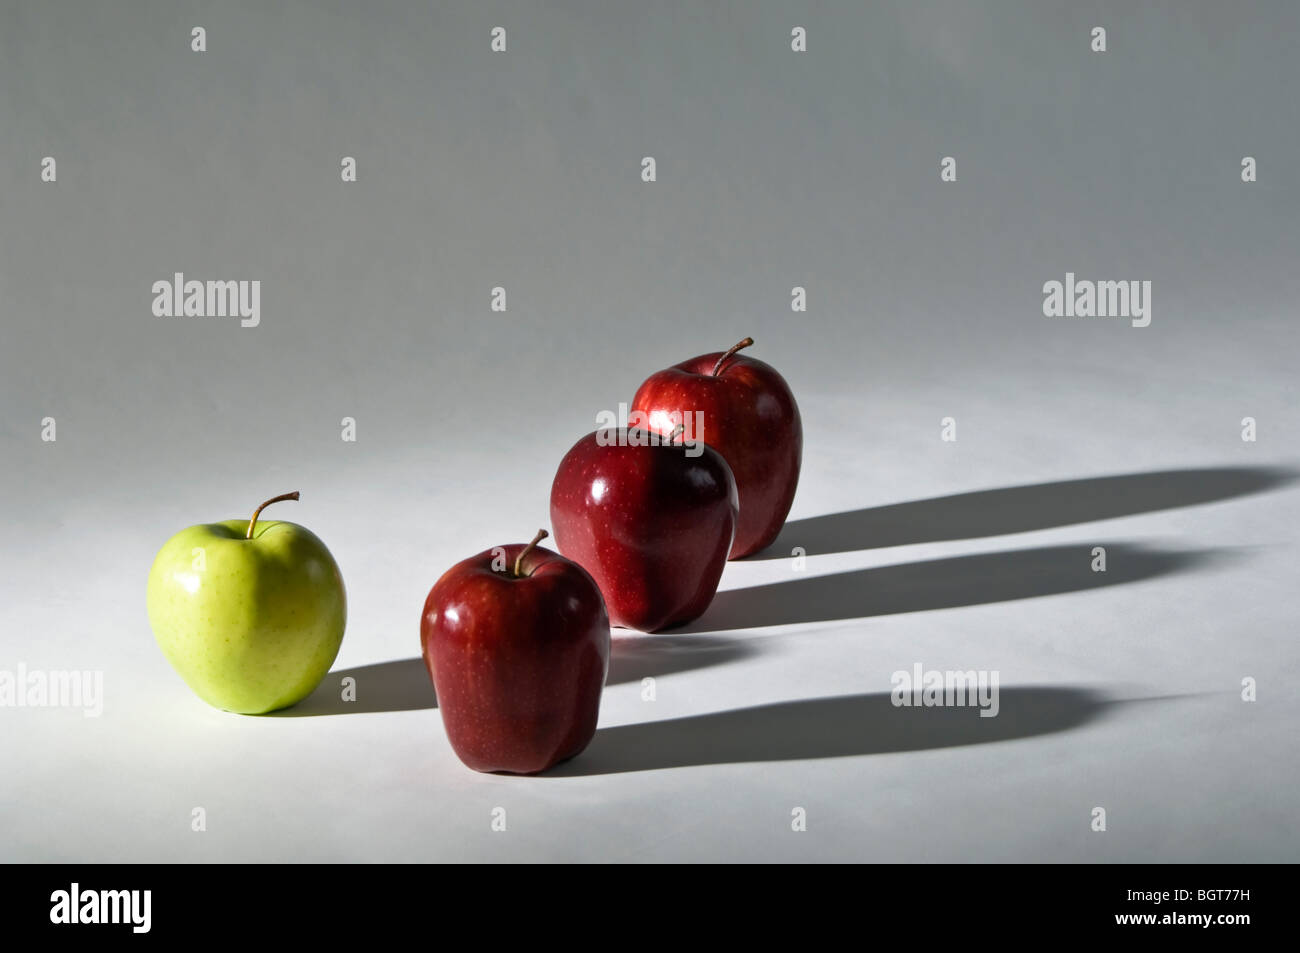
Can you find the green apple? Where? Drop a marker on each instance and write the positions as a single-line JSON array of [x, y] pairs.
[[251, 615]]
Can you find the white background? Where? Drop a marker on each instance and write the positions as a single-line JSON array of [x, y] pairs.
[[776, 169]]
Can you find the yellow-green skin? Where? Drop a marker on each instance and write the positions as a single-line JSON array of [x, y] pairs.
[[251, 625]]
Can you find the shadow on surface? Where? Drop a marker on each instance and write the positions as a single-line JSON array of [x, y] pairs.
[[836, 727], [941, 584], [399, 685], [635, 657], [1020, 509], [404, 685]]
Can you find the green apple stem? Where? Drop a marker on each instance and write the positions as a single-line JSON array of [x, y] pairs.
[[541, 535], [734, 348], [275, 499]]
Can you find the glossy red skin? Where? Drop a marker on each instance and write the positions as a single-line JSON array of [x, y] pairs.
[[518, 662], [652, 525], [751, 418]]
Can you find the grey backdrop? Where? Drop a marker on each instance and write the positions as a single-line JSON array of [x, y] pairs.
[[775, 169]]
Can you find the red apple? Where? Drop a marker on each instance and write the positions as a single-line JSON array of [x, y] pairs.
[[516, 640], [748, 414], [651, 521]]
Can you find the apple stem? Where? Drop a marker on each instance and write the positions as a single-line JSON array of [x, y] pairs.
[[734, 348], [275, 499], [541, 535], [677, 432]]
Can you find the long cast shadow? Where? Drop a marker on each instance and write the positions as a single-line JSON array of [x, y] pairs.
[[399, 685], [836, 727], [404, 684], [942, 584], [1020, 509]]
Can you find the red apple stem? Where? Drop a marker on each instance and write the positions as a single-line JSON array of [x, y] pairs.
[[275, 499], [677, 432], [541, 535], [734, 348]]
